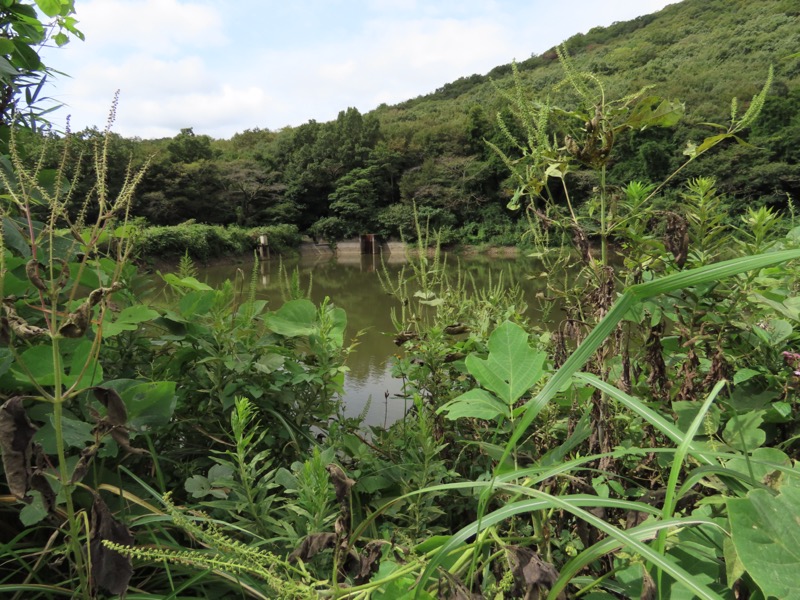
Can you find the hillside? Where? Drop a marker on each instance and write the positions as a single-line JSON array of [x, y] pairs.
[[364, 172]]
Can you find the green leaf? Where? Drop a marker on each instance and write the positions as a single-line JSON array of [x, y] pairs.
[[76, 433], [36, 363], [13, 238], [475, 404], [6, 360], [779, 331], [149, 404], [35, 511], [197, 486], [766, 534], [294, 319], [742, 431], [512, 368], [189, 283], [196, 302], [655, 112], [129, 319], [52, 8], [743, 375]]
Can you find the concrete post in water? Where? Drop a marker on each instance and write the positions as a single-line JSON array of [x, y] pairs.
[[263, 246]]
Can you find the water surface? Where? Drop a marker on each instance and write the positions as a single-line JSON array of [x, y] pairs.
[[353, 283]]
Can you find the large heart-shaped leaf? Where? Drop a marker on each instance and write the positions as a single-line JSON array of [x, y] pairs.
[[512, 367], [766, 533]]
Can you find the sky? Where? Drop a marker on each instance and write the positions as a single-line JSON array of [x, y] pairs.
[[224, 66]]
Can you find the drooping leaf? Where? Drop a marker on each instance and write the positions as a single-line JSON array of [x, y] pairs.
[[474, 404], [766, 534], [110, 570], [16, 433]]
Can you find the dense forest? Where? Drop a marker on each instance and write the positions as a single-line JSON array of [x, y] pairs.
[[364, 172]]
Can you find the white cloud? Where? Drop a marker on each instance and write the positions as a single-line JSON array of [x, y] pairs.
[[227, 66], [154, 26]]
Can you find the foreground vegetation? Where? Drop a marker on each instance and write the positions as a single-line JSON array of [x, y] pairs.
[[643, 445]]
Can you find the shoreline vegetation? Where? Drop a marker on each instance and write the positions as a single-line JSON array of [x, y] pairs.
[[215, 244]]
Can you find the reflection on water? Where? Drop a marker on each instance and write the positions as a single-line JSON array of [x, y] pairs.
[[352, 282]]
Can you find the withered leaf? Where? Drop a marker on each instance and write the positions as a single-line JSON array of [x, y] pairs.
[[19, 326], [82, 466], [16, 433], [533, 577], [312, 545], [110, 570], [649, 590], [32, 271], [116, 412], [76, 323], [341, 483], [114, 423]]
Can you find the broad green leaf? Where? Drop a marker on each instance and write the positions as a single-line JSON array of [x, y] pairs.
[[766, 533], [35, 511], [196, 302], [655, 112], [760, 463], [149, 404], [13, 238], [189, 283], [52, 8], [743, 375], [512, 368], [779, 331], [338, 318], [129, 319], [475, 404], [743, 433], [36, 363], [198, 486], [77, 434], [687, 411], [294, 319]]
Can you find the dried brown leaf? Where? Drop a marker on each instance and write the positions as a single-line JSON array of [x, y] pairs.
[[16, 433], [110, 570]]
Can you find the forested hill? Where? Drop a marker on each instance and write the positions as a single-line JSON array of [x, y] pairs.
[[362, 173]]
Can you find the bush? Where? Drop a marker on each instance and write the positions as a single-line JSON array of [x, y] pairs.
[[204, 242]]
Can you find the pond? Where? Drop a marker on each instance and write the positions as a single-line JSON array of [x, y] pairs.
[[352, 282]]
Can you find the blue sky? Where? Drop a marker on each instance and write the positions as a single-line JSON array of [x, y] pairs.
[[222, 66]]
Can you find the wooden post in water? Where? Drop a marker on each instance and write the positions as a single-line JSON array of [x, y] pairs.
[[263, 247]]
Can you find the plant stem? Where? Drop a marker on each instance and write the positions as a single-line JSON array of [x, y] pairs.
[[72, 521]]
